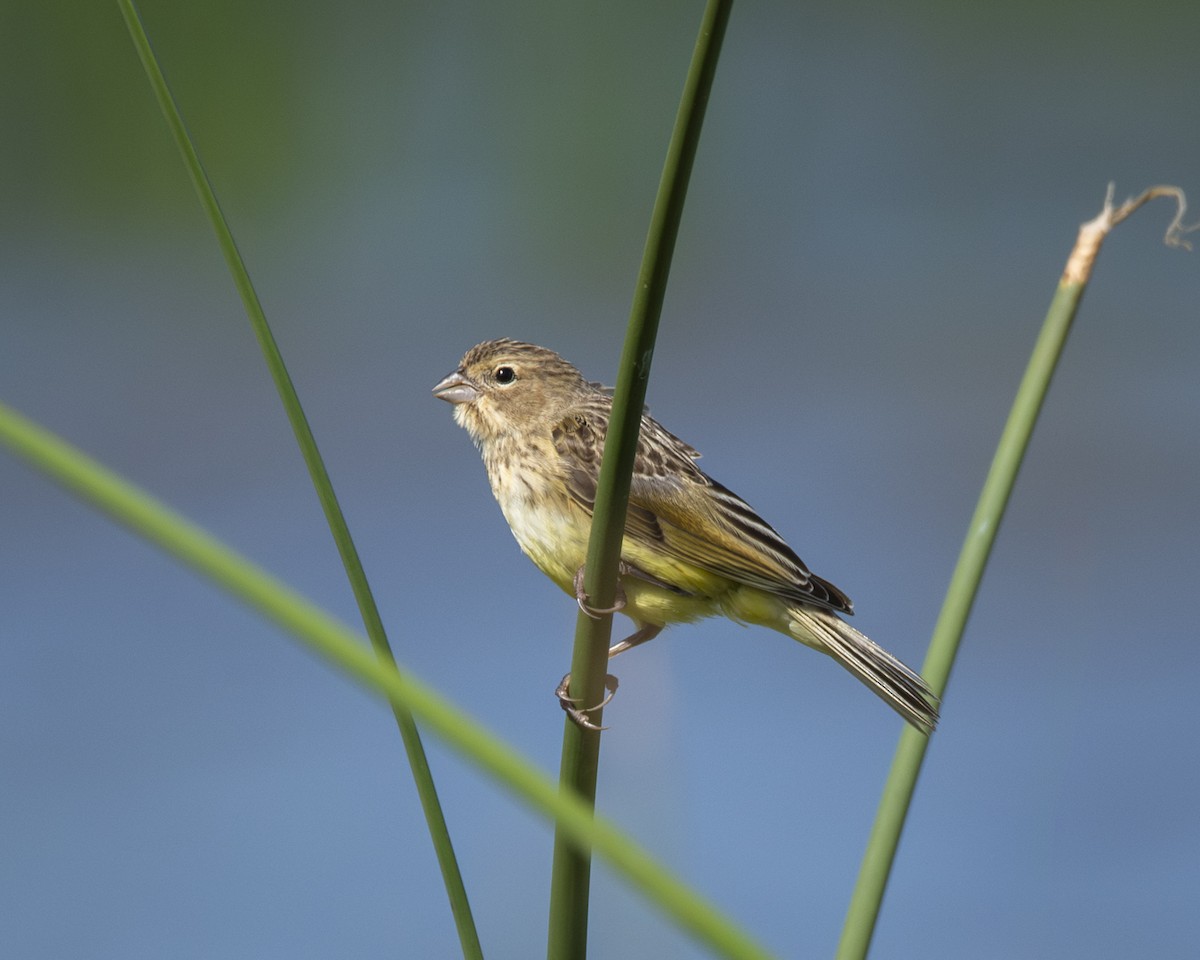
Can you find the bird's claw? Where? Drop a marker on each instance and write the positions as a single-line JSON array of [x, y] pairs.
[[577, 713], [582, 598]]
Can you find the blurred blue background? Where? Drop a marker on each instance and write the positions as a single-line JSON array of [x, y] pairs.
[[883, 201]]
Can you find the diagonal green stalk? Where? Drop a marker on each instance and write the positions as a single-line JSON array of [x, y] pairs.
[[884, 839], [338, 644], [867, 898], [571, 876], [418, 762]]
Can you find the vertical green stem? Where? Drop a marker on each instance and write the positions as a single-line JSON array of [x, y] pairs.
[[571, 877], [418, 762], [867, 898]]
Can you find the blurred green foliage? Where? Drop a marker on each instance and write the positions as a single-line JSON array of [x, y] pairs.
[[80, 120]]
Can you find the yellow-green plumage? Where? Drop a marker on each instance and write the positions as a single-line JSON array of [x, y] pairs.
[[692, 548]]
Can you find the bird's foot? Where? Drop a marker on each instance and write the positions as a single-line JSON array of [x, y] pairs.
[[583, 599], [579, 714]]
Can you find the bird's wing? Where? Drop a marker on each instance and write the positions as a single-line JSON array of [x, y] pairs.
[[680, 513]]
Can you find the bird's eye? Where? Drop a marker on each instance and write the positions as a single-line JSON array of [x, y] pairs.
[[505, 375]]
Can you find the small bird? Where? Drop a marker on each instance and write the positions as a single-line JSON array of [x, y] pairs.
[[692, 548]]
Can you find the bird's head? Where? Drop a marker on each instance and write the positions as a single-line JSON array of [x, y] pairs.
[[505, 387]]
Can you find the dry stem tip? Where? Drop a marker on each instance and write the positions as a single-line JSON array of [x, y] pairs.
[[1092, 233]]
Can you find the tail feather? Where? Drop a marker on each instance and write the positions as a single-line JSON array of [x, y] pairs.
[[894, 683]]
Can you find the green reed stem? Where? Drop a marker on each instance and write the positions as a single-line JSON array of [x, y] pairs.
[[338, 644], [368, 610], [571, 875], [867, 897]]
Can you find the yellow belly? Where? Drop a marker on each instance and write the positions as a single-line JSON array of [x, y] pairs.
[[554, 535]]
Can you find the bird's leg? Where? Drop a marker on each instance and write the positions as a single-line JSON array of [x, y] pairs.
[[645, 632], [648, 632], [576, 713], [584, 600], [623, 570], [570, 704]]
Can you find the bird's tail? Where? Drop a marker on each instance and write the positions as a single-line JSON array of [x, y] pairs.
[[894, 683]]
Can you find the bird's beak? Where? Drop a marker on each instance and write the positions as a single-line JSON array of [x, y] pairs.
[[456, 389]]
